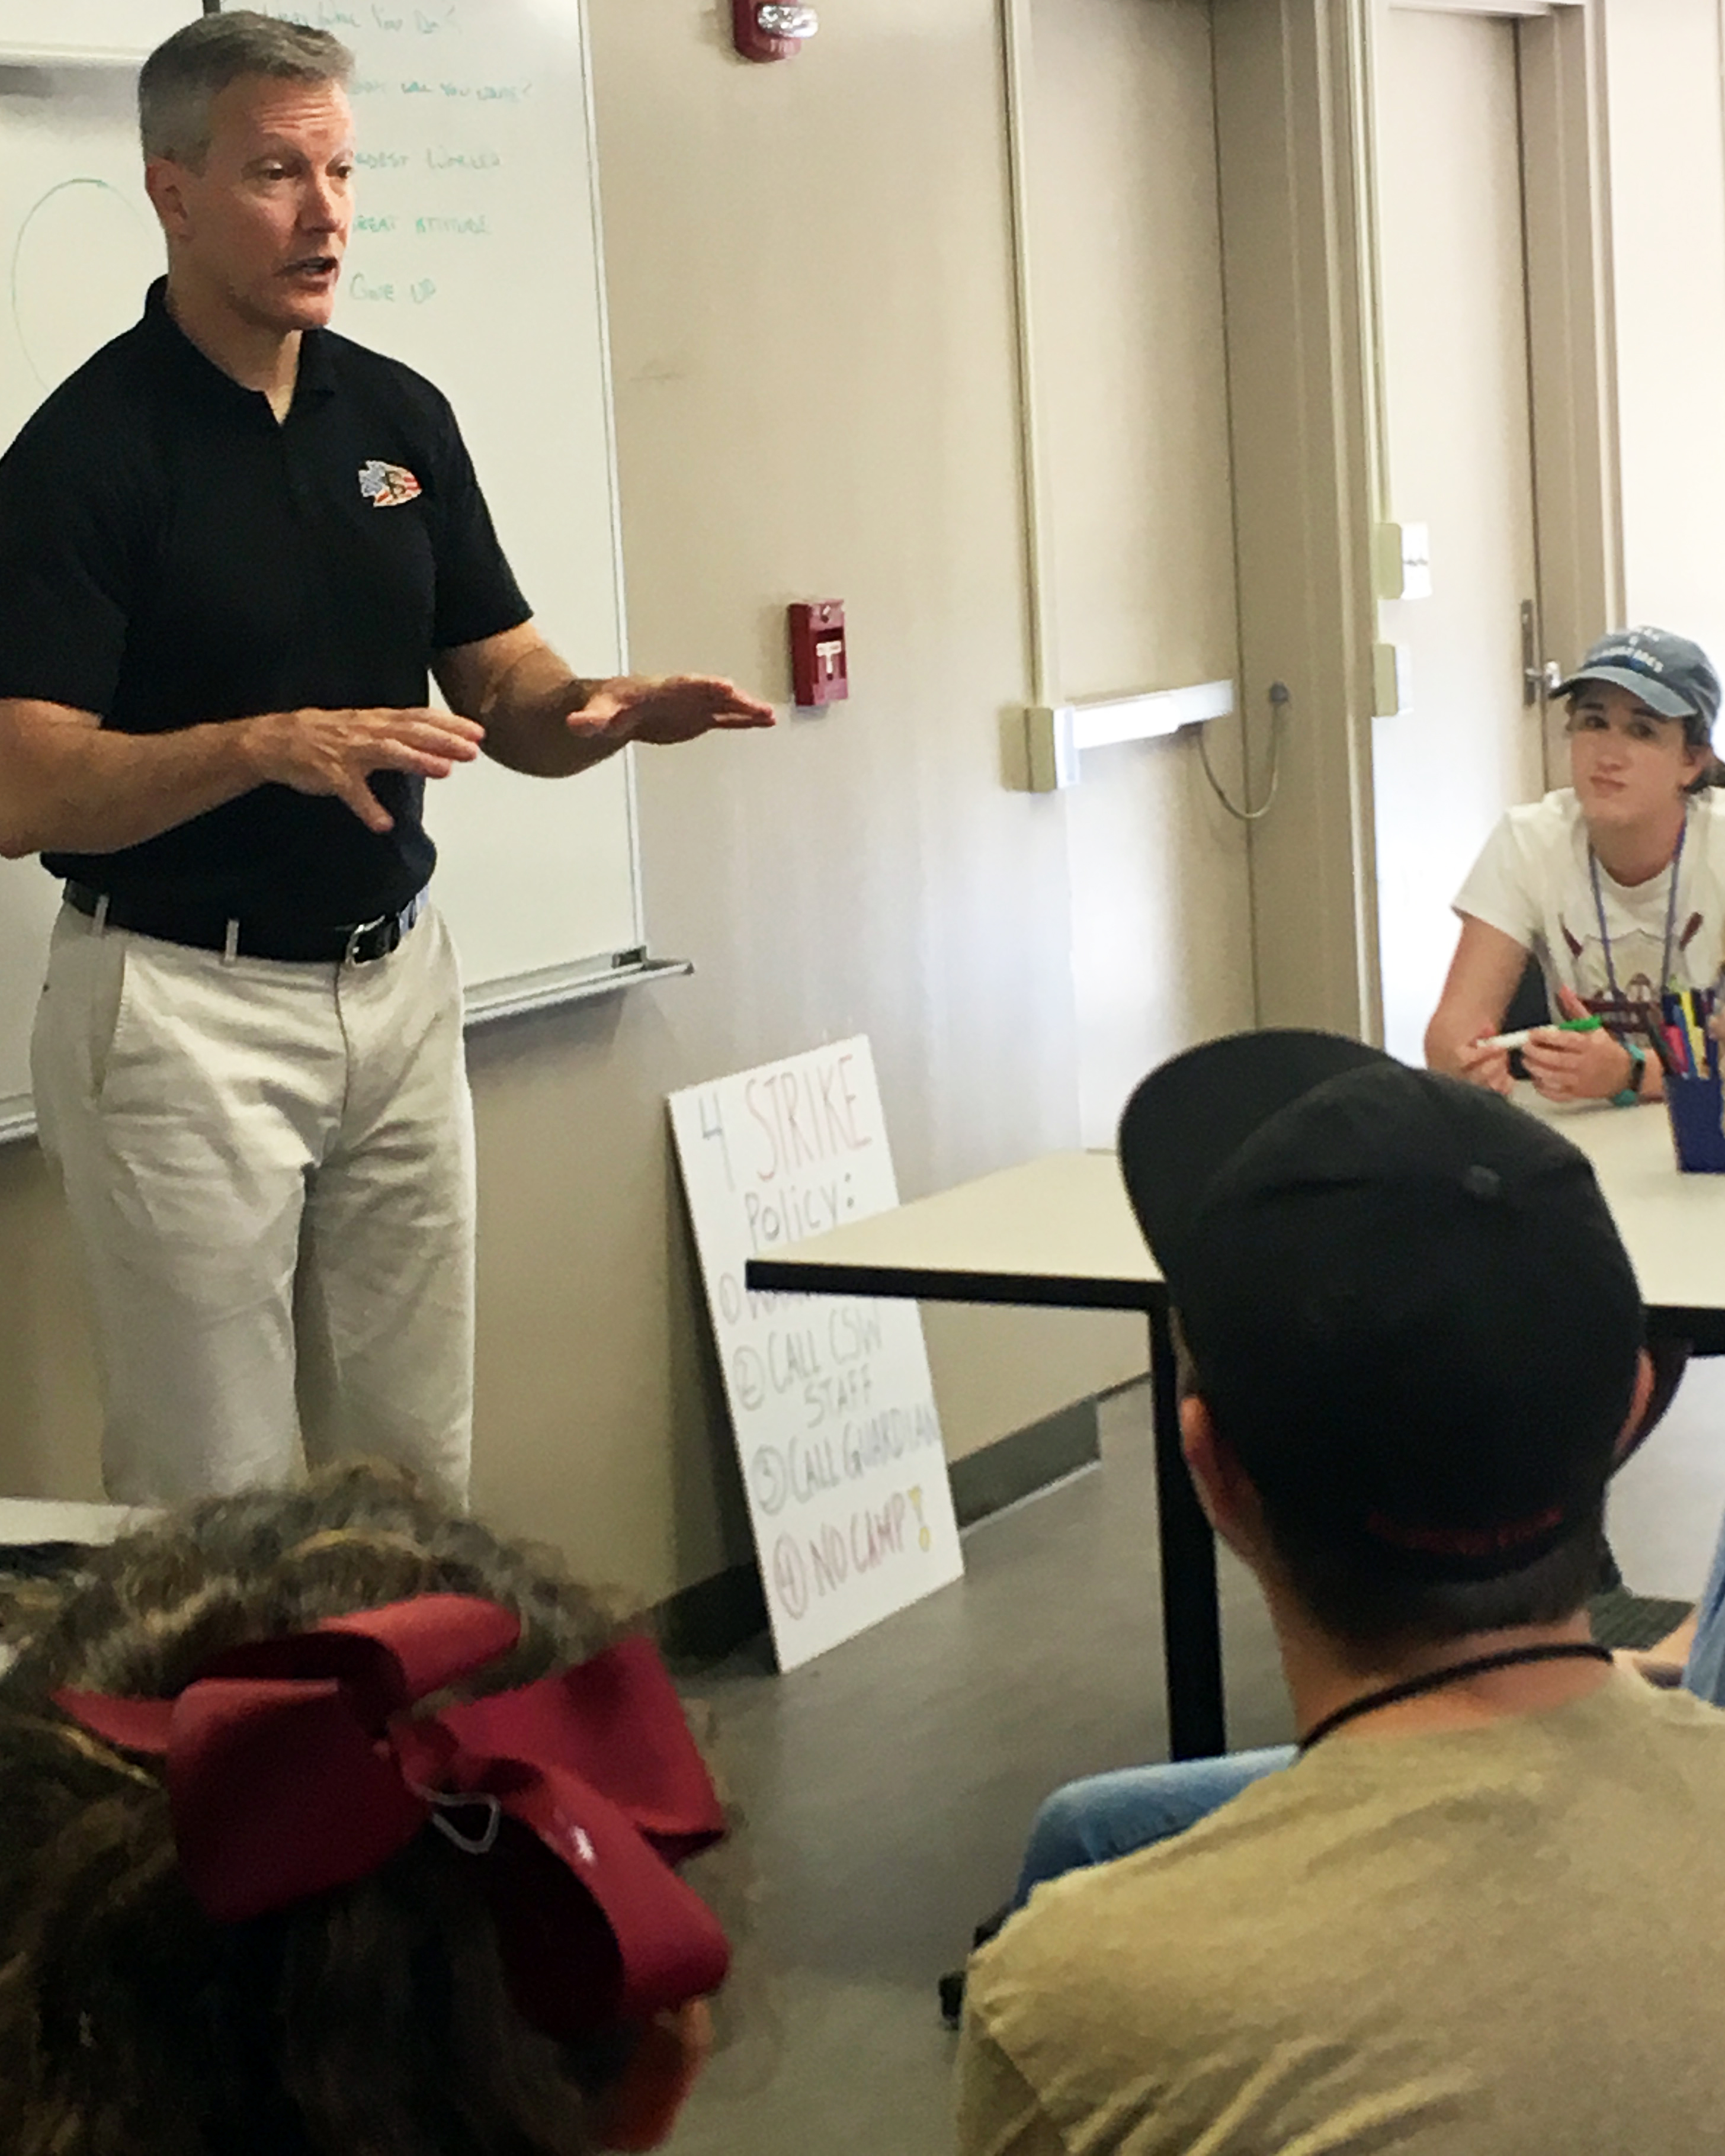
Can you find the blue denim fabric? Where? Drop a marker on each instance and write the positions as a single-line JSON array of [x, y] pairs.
[[1110, 1816], [1704, 1672]]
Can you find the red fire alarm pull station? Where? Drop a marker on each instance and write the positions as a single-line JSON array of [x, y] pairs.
[[821, 667], [768, 31]]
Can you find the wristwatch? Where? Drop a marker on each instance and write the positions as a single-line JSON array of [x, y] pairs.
[[1638, 1066]]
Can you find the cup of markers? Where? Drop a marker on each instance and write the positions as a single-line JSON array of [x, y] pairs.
[[1689, 1061]]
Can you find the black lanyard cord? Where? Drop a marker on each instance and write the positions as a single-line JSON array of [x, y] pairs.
[[1506, 1658]]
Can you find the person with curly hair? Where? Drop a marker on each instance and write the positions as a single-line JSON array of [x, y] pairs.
[[333, 1824]]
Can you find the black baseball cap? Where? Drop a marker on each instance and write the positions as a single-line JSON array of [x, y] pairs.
[[1407, 1305], [1670, 675]]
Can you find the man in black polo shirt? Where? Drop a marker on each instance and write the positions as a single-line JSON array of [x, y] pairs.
[[231, 546]]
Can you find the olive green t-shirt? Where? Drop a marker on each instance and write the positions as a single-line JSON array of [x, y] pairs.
[[1492, 1943]]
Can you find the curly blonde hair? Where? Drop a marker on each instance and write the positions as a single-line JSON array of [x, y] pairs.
[[372, 2021]]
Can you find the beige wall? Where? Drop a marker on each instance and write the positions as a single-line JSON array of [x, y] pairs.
[[1666, 162], [48, 1411], [813, 330], [1131, 378]]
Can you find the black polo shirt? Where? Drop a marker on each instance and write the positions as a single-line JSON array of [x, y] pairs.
[[170, 554]]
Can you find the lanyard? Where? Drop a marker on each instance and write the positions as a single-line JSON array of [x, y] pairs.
[[1670, 918], [1564, 1651]]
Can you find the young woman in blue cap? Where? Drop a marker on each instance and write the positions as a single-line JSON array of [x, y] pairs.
[[1614, 883]]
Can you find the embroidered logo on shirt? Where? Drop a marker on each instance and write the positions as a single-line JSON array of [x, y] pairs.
[[387, 486]]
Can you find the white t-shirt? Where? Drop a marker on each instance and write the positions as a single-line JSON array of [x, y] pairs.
[[1532, 881]]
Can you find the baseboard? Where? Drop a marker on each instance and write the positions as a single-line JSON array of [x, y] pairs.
[[717, 1616], [712, 1619], [1026, 1460], [40, 1560]]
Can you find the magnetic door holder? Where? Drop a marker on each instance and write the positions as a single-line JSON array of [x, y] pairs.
[[765, 30], [820, 666]]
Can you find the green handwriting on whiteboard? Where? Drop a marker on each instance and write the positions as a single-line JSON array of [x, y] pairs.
[[420, 22], [371, 291], [425, 22]]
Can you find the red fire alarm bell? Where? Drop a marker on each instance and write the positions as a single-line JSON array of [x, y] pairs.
[[768, 31], [820, 670]]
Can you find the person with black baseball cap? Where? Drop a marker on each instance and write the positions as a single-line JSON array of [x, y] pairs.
[[1478, 1912], [1614, 883]]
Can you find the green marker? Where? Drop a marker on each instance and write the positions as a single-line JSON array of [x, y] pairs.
[[1555, 1025]]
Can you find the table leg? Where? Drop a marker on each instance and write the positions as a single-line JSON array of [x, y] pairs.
[[1191, 1619]]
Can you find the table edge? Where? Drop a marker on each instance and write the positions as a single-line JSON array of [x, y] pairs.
[[1702, 1327], [920, 1284]]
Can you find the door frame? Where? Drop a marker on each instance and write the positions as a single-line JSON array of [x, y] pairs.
[[1571, 337], [1296, 112]]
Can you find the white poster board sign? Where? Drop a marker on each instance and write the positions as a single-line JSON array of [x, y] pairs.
[[830, 1396]]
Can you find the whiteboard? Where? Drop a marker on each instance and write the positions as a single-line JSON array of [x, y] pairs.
[[475, 257]]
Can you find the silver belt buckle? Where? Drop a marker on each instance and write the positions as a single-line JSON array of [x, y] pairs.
[[350, 956]]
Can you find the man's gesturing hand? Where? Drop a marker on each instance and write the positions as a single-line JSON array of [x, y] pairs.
[[677, 707], [334, 752]]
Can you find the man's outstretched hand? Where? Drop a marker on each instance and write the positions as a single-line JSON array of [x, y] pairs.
[[675, 707]]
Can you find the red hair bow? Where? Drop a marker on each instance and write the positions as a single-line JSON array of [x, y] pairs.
[[293, 1768]]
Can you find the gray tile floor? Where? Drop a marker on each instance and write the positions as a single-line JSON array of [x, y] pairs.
[[887, 1786]]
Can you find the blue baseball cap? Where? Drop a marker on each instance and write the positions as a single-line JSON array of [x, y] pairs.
[[1669, 675]]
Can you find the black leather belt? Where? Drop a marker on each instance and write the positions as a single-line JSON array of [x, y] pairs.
[[204, 929]]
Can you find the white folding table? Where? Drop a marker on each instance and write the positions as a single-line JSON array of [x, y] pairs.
[[1059, 1231]]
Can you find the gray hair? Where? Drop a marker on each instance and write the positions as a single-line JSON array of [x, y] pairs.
[[183, 76]]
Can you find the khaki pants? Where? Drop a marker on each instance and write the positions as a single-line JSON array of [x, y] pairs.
[[269, 1172]]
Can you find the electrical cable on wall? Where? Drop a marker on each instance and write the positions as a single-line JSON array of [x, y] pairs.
[[1280, 698]]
